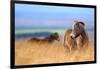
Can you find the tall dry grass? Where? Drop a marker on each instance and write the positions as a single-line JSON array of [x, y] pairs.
[[43, 53]]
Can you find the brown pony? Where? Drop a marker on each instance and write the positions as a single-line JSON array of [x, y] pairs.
[[76, 37], [50, 38]]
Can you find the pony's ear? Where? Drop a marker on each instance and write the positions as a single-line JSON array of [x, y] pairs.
[[54, 35], [82, 23]]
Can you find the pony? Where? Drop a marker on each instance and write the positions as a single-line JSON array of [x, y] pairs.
[[49, 39], [76, 37]]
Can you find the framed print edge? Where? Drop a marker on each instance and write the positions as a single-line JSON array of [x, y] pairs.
[[12, 34]]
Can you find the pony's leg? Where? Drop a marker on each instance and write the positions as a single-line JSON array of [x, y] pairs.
[[70, 49], [78, 47], [79, 43], [66, 48]]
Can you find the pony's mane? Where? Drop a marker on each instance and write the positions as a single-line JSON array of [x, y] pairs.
[[85, 38]]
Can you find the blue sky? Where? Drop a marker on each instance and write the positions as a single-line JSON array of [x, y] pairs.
[[51, 16]]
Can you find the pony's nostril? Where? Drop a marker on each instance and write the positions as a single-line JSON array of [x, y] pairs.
[[71, 37]]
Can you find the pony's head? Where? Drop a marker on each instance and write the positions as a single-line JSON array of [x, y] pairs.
[[55, 36], [77, 29]]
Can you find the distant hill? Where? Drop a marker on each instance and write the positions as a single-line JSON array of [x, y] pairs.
[[36, 34]]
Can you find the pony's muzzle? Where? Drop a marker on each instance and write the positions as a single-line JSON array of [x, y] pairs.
[[72, 36]]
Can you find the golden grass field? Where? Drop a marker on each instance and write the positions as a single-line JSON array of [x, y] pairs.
[[27, 53]]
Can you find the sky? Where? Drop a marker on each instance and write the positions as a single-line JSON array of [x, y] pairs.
[[29, 15]]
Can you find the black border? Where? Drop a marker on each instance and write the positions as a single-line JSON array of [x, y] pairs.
[[12, 36]]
